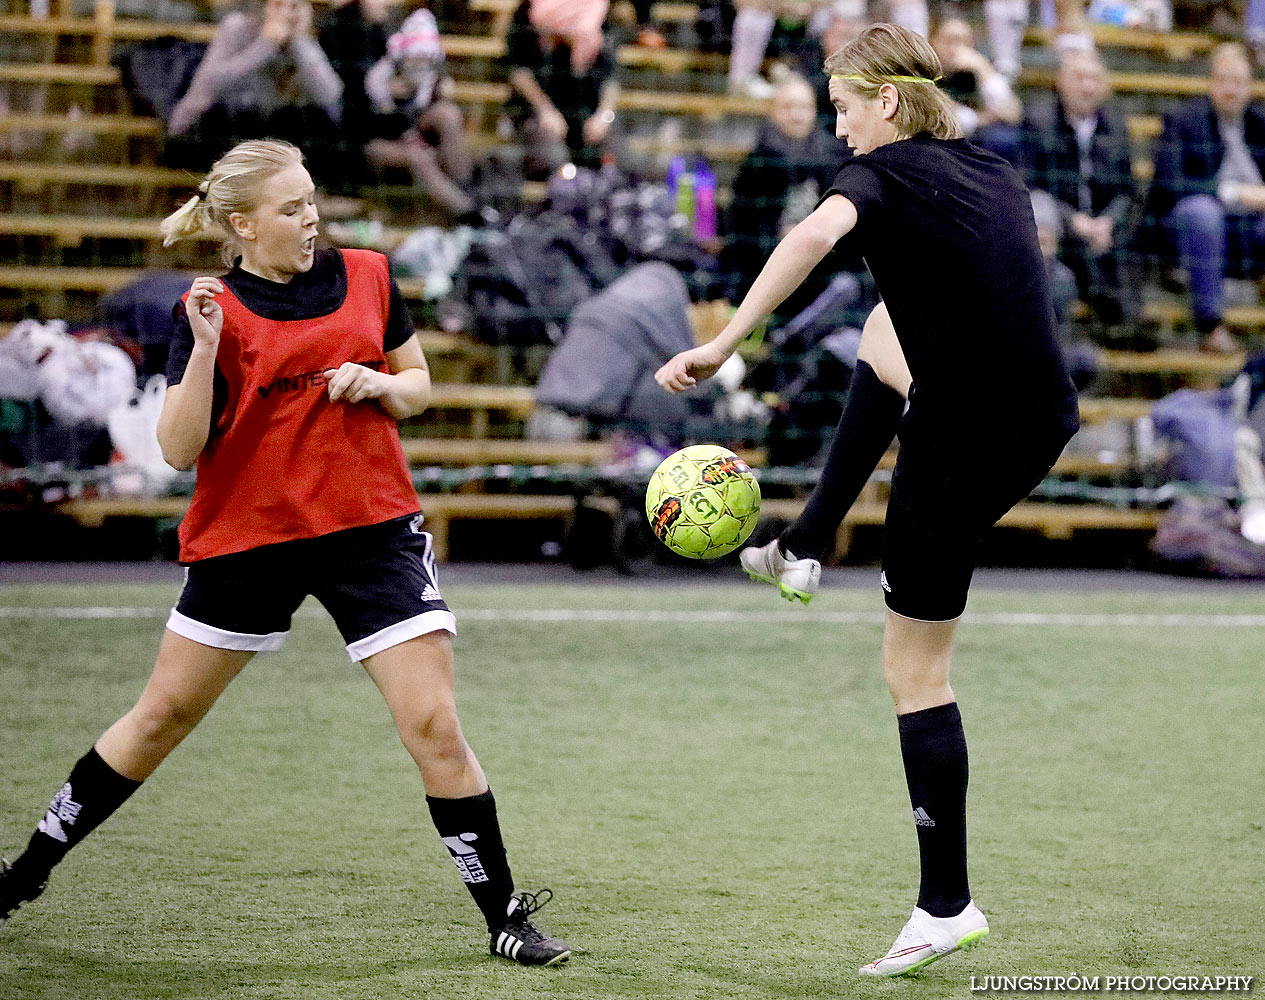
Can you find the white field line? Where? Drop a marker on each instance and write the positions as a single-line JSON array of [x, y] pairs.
[[790, 617]]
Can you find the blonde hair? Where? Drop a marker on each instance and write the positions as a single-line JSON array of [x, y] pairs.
[[889, 54], [233, 185]]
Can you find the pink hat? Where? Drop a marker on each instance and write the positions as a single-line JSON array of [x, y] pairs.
[[418, 38]]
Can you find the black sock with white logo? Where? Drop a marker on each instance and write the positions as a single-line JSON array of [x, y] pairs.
[[934, 749], [867, 425], [90, 795], [470, 831]]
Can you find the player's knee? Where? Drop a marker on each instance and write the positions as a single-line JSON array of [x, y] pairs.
[[434, 731], [164, 720]]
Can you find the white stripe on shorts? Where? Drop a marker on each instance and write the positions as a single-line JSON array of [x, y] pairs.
[[410, 628], [220, 638]]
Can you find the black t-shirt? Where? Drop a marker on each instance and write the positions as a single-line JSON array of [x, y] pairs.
[[318, 291], [947, 231]]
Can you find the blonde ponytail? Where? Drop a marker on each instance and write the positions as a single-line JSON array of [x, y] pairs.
[[233, 185], [191, 219]]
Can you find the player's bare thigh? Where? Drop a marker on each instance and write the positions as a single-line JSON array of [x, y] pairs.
[[881, 351]]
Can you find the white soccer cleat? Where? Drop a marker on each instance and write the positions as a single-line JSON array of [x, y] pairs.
[[797, 579], [926, 938]]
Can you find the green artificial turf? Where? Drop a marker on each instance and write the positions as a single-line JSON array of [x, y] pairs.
[[717, 801]]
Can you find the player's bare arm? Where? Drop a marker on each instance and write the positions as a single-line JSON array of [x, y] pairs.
[[403, 390], [803, 248], [185, 422]]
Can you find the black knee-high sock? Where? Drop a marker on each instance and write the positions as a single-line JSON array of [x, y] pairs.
[[934, 750], [93, 791], [470, 831], [870, 416]]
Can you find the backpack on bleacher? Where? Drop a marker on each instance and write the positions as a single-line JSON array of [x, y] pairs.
[[522, 282]]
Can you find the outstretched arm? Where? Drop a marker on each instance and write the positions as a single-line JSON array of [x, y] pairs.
[[790, 263]]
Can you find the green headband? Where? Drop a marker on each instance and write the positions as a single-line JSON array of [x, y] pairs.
[[883, 79]]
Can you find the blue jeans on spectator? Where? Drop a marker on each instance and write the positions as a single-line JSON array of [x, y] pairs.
[[1211, 244]]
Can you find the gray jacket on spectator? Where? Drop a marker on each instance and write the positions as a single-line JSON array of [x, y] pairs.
[[243, 72]]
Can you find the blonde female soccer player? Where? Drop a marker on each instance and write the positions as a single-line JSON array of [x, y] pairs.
[[959, 360], [286, 379]]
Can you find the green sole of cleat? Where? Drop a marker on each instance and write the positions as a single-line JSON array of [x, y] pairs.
[[970, 941], [790, 593]]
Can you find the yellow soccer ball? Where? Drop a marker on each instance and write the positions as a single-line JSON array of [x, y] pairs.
[[703, 502]]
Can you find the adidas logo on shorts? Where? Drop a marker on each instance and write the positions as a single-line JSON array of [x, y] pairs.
[[431, 594]]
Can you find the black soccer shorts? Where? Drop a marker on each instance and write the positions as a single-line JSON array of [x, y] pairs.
[[378, 583], [941, 505]]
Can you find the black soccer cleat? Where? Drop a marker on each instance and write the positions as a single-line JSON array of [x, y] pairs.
[[15, 890], [519, 941]]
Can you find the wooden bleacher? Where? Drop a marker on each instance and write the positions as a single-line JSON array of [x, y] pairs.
[[478, 402], [1162, 84], [1174, 45]]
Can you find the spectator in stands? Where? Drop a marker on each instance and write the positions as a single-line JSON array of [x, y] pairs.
[[987, 108], [831, 29], [777, 186], [647, 34], [1208, 189], [760, 24], [353, 35], [564, 84], [1007, 19], [1076, 147], [415, 126], [263, 75], [1082, 358]]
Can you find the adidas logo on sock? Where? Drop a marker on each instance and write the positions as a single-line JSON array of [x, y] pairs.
[[921, 818]]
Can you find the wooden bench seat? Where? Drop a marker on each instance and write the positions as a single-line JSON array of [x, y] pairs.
[[107, 175], [123, 29], [440, 510], [1173, 44], [93, 124], [73, 229], [504, 451], [1165, 84], [667, 60], [1101, 410], [78, 279], [1172, 362], [1055, 521], [668, 13], [88, 75], [704, 105]]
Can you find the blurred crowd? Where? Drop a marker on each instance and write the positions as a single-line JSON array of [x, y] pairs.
[[363, 88]]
